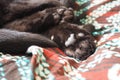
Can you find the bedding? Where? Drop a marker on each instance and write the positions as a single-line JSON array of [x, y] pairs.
[[53, 64]]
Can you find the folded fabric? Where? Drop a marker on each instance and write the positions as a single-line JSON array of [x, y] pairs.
[[53, 64]]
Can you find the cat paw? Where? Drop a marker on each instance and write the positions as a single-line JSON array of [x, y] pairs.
[[63, 14], [67, 15]]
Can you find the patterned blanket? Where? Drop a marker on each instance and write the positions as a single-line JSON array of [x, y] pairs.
[[52, 64]]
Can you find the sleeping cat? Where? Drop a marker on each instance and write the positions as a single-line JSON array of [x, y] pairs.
[[34, 18]]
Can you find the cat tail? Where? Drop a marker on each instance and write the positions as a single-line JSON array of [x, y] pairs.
[[14, 42]]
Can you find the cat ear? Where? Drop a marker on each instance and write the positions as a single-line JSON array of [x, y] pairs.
[[89, 28]]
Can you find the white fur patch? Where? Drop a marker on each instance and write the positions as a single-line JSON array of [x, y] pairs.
[[70, 40], [52, 37], [80, 34]]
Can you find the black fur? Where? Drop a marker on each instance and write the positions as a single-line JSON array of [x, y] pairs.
[[15, 9], [82, 45], [16, 43], [46, 17], [41, 20]]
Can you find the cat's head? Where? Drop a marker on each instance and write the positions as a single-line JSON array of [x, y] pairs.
[[74, 40]]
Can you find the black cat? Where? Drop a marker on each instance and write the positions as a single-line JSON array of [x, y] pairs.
[[46, 17]]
